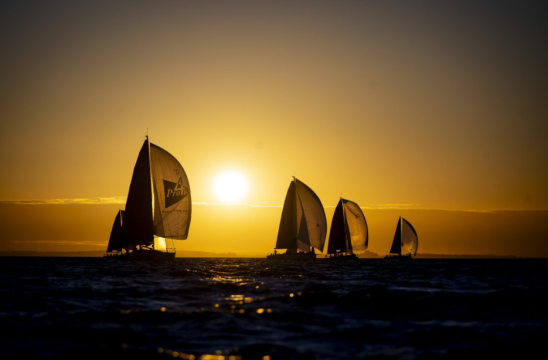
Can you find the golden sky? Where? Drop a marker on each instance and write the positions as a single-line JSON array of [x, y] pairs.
[[433, 105]]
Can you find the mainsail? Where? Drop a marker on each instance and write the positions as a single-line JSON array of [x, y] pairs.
[[172, 202], [349, 231], [303, 223], [396, 243], [137, 227], [114, 240], [286, 233], [337, 234]]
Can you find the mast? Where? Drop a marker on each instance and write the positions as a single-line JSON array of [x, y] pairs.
[[295, 214], [151, 184]]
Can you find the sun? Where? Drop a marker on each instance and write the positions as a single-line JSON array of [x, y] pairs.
[[230, 186]]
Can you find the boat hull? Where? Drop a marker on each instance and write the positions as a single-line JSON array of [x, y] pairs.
[[144, 255], [342, 257], [398, 257], [298, 257]]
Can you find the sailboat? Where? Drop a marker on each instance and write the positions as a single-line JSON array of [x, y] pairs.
[[303, 226], [406, 241], [349, 231], [158, 208], [114, 246]]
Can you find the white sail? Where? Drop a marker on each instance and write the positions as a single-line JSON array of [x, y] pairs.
[[357, 226], [172, 201], [409, 238], [310, 221]]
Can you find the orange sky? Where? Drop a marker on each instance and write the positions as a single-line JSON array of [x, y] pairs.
[[432, 105]]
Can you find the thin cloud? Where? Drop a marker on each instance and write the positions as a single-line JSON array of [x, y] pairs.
[[58, 242], [235, 204], [391, 206], [116, 200], [77, 201], [121, 200]]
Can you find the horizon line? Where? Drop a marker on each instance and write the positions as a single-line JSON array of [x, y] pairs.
[[121, 200], [254, 255]]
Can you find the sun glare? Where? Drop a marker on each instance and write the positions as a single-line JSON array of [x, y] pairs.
[[230, 186]]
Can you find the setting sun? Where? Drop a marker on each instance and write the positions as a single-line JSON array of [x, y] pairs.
[[230, 186]]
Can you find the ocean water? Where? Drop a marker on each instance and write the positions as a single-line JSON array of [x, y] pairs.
[[230, 309]]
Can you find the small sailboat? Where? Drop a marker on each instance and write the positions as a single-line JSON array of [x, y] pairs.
[[114, 240], [303, 226], [349, 231], [158, 207], [406, 241]]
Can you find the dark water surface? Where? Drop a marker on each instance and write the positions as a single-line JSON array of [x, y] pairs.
[[258, 309]]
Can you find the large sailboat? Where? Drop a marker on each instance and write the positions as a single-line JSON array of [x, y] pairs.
[[349, 231], [303, 226], [406, 241], [158, 208]]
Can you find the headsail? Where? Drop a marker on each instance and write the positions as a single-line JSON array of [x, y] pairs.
[[356, 226], [172, 201], [114, 240], [137, 225], [409, 238], [310, 217]]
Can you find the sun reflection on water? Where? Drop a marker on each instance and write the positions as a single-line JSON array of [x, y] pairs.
[[239, 299], [233, 280]]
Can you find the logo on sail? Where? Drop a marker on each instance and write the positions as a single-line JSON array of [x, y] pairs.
[[174, 192]]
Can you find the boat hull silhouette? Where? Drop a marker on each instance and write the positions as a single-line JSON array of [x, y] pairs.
[[138, 255], [297, 256], [399, 257], [342, 257]]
